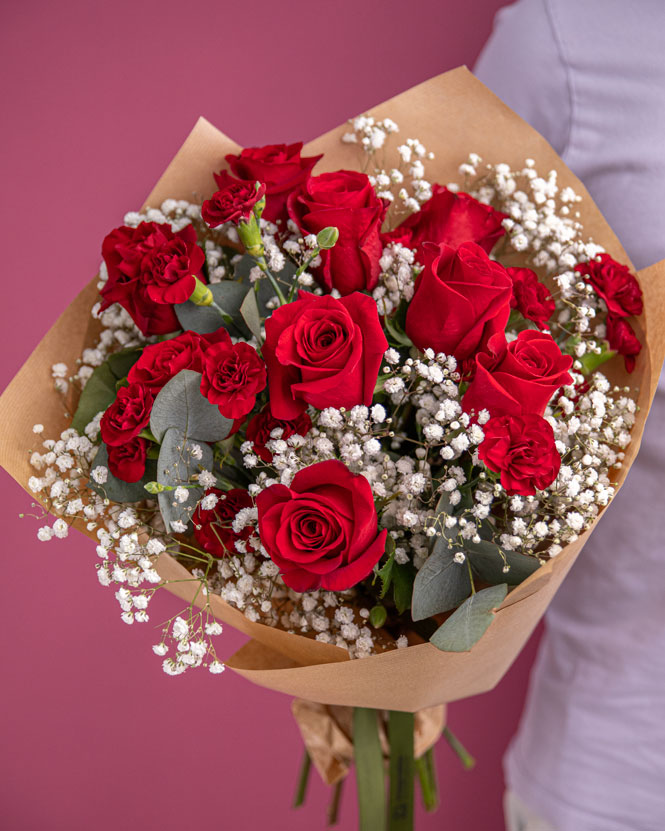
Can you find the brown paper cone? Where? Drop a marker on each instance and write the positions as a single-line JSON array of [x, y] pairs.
[[452, 114]]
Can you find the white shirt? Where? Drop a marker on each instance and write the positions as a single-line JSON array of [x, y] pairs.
[[590, 751]]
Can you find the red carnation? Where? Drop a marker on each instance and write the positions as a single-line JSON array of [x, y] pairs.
[[531, 298], [127, 460], [614, 283], [233, 202], [127, 416], [261, 427], [522, 450], [622, 338], [213, 529], [279, 166], [322, 531], [233, 375]]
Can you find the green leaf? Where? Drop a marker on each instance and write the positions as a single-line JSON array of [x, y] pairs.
[[250, 314], [176, 466], [228, 295], [468, 624], [97, 395], [121, 362], [487, 562], [180, 404], [369, 770], [441, 584], [386, 570], [117, 490], [403, 577], [401, 771], [395, 333], [266, 292]]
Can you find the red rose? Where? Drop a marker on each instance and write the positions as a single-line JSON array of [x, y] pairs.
[[450, 218], [522, 450], [149, 268], [214, 529], [614, 283], [461, 299], [233, 202], [233, 375], [322, 532], [518, 378], [127, 416], [280, 166], [531, 298], [346, 200], [622, 338], [324, 352], [262, 425], [159, 362], [127, 460]]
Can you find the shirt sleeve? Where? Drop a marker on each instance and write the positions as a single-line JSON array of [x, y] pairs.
[[523, 63]]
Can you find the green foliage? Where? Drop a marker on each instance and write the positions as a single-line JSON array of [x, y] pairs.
[[251, 315], [175, 467], [488, 564], [469, 622], [441, 584], [180, 404]]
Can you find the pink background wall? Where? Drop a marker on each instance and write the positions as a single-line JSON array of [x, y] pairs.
[[96, 99]]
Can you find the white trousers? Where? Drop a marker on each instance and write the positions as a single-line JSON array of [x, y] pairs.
[[520, 817]]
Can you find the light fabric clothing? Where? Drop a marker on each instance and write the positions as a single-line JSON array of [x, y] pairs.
[[590, 751], [519, 817]]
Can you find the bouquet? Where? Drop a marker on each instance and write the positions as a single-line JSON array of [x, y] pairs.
[[363, 401]]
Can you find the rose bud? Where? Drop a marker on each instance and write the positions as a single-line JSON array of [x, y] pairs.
[[345, 200], [519, 377], [522, 450], [461, 299], [324, 352], [322, 531]]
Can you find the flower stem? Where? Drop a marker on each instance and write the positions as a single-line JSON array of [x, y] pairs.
[[303, 780]]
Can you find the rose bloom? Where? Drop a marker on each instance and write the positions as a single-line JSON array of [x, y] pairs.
[[531, 298], [279, 166], [151, 267], [213, 529], [614, 283], [127, 416], [324, 352], [233, 202], [322, 531], [522, 450], [262, 425], [346, 200], [450, 218], [519, 377], [127, 460], [622, 338], [233, 375], [461, 299], [159, 362]]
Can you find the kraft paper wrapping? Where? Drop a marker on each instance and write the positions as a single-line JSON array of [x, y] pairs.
[[453, 115]]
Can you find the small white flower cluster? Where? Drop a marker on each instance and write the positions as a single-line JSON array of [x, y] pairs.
[[397, 279]]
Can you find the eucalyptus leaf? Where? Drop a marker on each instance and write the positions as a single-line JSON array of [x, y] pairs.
[[250, 314], [266, 292], [228, 295], [176, 466], [122, 361], [467, 624], [180, 404], [487, 562], [117, 490], [441, 584]]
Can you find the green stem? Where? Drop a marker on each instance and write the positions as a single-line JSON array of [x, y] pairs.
[[369, 770], [333, 808], [400, 734], [427, 776], [303, 779], [226, 317], [463, 754]]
